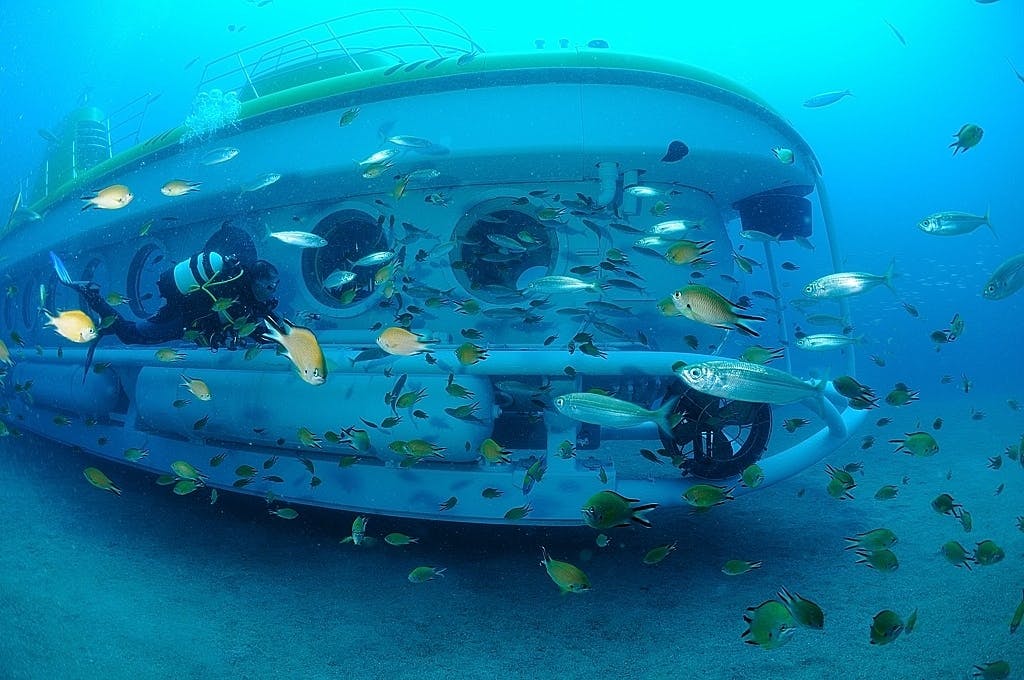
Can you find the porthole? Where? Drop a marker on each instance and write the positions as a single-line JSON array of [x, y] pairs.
[[500, 241], [357, 249], [144, 297]]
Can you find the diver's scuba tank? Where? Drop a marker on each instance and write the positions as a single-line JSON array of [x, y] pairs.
[[191, 274]]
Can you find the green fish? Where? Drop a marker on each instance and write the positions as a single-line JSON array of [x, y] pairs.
[[607, 509], [805, 612], [704, 496], [737, 567], [656, 555], [956, 554], [568, 578], [424, 574], [919, 444], [988, 553], [769, 625], [886, 626]]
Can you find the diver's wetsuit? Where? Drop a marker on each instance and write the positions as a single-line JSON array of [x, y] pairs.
[[181, 313]]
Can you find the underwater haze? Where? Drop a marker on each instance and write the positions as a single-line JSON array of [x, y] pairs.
[[148, 584]]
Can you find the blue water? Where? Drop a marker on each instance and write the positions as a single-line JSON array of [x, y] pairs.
[[153, 585]]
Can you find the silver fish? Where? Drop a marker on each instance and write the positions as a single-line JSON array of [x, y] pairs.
[[599, 409], [338, 278], [264, 180], [545, 285], [303, 239], [380, 257], [953, 223], [820, 342], [219, 155], [826, 98], [1007, 279], [744, 381], [408, 140], [506, 242], [674, 227], [380, 157], [842, 284], [640, 191]]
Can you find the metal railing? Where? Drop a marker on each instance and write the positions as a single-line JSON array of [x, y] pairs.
[[358, 41]]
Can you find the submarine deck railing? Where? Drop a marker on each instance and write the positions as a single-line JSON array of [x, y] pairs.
[[428, 33]]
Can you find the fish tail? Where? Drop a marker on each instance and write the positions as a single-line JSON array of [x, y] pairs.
[[988, 211], [889, 275], [746, 330], [638, 513], [663, 416]]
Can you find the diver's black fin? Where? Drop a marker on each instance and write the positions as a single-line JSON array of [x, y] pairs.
[[89, 355]]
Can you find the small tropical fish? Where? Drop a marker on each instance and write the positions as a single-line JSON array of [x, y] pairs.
[[876, 539], [401, 342], [338, 278], [737, 567], [553, 285], [491, 492], [901, 395], [887, 492], [784, 155], [399, 539], [348, 116], [883, 560], [818, 342], [113, 197], [424, 574], [920, 444], [705, 496], [303, 239], [761, 355], [101, 481], [794, 424], [607, 509], [769, 625], [656, 555], [75, 325], [179, 187], [301, 348], [568, 578], [519, 512], [826, 98], [993, 670], [805, 612], [1018, 615], [987, 553], [168, 354], [197, 387], [284, 513], [956, 554], [886, 626], [448, 504], [752, 476], [135, 454], [707, 306], [967, 137], [468, 354]]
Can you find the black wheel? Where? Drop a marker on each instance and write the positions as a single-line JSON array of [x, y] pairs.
[[717, 438]]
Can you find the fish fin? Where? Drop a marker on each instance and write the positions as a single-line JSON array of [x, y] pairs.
[[88, 360], [638, 514], [662, 415], [746, 330], [889, 275], [748, 317], [988, 224]]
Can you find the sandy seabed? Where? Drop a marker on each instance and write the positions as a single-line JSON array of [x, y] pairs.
[[151, 585]]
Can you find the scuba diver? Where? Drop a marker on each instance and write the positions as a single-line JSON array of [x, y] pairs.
[[218, 296]]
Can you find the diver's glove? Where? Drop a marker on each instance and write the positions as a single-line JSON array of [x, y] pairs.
[[87, 289]]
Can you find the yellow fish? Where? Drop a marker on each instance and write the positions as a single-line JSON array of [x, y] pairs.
[[568, 578], [400, 342], [101, 481], [5, 354], [301, 348], [705, 305], [74, 324], [179, 187], [113, 197], [197, 387]]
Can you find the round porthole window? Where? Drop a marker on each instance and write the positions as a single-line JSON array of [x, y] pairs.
[[500, 241], [347, 269], [143, 273]]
